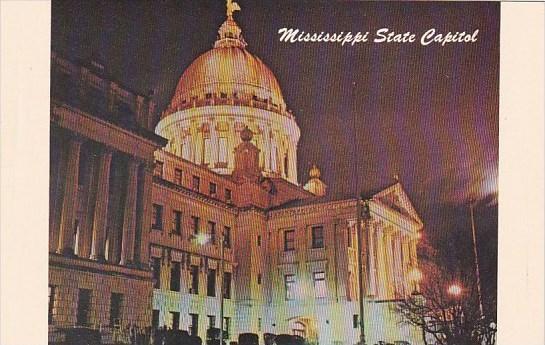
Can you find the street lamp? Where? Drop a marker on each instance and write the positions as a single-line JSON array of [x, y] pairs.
[[455, 290], [203, 239]]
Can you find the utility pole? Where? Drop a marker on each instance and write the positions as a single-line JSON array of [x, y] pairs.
[[476, 257], [365, 211], [359, 219], [222, 277]]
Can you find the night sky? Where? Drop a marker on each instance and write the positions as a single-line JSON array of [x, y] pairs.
[[428, 114]]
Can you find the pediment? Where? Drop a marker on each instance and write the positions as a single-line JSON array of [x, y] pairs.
[[396, 199]]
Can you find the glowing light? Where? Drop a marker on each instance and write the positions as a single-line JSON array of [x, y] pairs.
[[455, 290], [200, 239]]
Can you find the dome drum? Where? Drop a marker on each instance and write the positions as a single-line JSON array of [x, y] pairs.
[[221, 92]]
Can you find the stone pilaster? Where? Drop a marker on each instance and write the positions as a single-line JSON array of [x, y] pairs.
[[129, 217], [66, 238], [101, 206]]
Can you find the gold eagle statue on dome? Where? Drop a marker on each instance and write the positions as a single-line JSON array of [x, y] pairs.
[[232, 7]]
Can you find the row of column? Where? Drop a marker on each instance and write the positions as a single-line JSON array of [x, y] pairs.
[[133, 224], [391, 255]]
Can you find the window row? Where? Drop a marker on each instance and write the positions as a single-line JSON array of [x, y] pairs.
[[195, 182], [173, 322], [176, 225], [84, 305], [319, 283], [193, 283], [317, 238]]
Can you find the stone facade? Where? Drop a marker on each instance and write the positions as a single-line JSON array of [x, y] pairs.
[[146, 231]]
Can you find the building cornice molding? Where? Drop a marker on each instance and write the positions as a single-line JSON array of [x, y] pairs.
[[195, 196]]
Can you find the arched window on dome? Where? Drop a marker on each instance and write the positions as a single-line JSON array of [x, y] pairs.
[[274, 156], [286, 164]]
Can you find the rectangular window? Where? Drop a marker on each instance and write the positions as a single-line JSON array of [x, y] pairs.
[[227, 285], [196, 183], [155, 319], [178, 176], [175, 273], [259, 279], [84, 306], [320, 287], [289, 283], [213, 188], [211, 283], [158, 171], [196, 225], [289, 240], [317, 237], [157, 220], [211, 321], [51, 304], [156, 270], [177, 222], [116, 303], [175, 316], [226, 327], [211, 231], [194, 276], [194, 325], [228, 195], [259, 240], [227, 237], [223, 150], [355, 321]]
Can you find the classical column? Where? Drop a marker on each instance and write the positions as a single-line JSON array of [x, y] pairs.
[[214, 145], [66, 233], [86, 223], [381, 264], [372, 271], [57, 169], [145, 215], [101, 206], [406, 264], [398, 264], [129, 217]]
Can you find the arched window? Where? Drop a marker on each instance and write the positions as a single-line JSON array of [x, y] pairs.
[[286, 164], [299, 329]]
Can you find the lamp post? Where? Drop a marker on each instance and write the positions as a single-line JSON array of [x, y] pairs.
[[365, 213], [222, 246], [476, 258]]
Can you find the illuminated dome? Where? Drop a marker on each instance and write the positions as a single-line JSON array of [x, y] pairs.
[[228, 71], [223, 91]]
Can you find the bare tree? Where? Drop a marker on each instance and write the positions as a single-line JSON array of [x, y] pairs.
[[447, 310]]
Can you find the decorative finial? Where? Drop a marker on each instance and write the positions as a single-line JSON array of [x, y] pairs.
[[246, 134], [231, 8], [396, 177], [314, 172]]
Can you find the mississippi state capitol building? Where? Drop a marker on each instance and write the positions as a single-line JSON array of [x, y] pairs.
[[193, 217]]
